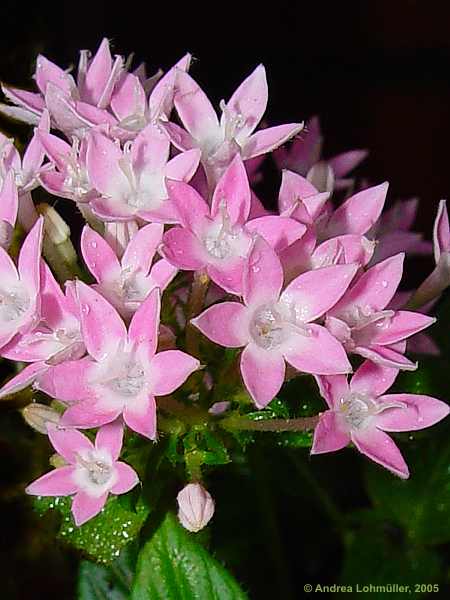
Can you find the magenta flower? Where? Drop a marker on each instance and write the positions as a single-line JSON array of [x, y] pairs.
[[91, 472], [131, 183], [122, 374], [127, 283], [218, 239], [19, 291], [361, 321], [220, 141], [275, 326], [361, 412], [9, 205]]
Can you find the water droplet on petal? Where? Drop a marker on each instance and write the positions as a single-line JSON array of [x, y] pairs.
[[94, 244]]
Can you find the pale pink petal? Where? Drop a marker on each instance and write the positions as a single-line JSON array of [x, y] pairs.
[[84, 507], [102, 328], [86, 415], [359, 213], [379, 447], [225, 324], [34, 153], [313, 293], [373, 379], [268, 139], [441, 233], [279, 232], [68, 442], [419, 412], [55, 148], [344, 249], [183, 166], [112, 209], [59, 482], [140, 416], [375, 288], [30, 100], [194, 109], [139, 253], [387, 356], [332, 388], [263, 275], [162, 273], [262, 372], [128, 98], [192, 209], [127, 479], [249, 101], [7, 267], [160, 102], [329, 435], [54, 183], [47, 72], [169, 370], [68, 381], [102, 161], [316, 351], [347, 161], [9, 199], [97, 74], [182, 249], [30, 257], [20, 114], [110, 437], [98, 255], [25, 378], [233, 193], [150, 150], [403, 324], [293, 188], [180, 138], [143, 330]]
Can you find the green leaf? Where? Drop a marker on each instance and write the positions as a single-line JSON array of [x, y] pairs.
[[96, 582], [103, 537], [421, 504], [377, 556], [174, 566]]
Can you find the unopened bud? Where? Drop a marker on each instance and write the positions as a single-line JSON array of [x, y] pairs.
[[57, 461], [55, 227], [39, 415], [195, 507]]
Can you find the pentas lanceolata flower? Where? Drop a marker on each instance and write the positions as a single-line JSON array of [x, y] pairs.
[[192, 300]]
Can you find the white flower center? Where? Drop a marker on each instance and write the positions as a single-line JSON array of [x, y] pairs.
[[224, 240], [13, 304], [267, 328], [98, 471], [129, 382], [358, 408]]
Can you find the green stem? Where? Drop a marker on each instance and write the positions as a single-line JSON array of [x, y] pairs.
[[243, 424], [329, 507]]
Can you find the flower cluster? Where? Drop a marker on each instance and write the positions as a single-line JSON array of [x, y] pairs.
[[167, 191]]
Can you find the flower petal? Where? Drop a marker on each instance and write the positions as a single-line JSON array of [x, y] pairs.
[[183, 249], [379, 447], [441, 232], [266, 140], [420, 412], [263, 373], [99, 256], [139, 253], [225, 324], [68, 442], [126, 479], [329, 435], [279, 232], [84, 507], [143, 330], [25, 378], [110, 438], [30, 257], [263, 275], [59, 482], [313, 293], [233, 192], [140, 416], [169, 370], [373, 379], [68, 381], [402, 325], [317, 352]]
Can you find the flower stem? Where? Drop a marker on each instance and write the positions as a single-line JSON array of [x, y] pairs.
[[195, 305], [243, 424]]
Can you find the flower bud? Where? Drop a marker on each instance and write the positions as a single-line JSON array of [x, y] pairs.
[[195, 507], [38, 415], [6, 233]]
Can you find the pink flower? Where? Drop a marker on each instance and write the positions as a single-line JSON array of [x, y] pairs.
[[122, 374], [304, 157], [91, 472], [218, 239], [9, 205], [275, 326], [361, 412], [131, 183], [220, 141], [19, 289], [127, 283], [362, 323]]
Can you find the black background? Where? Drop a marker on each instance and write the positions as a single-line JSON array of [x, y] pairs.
[[377, 72]]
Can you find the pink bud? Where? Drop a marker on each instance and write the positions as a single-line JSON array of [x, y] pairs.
[[195, 507]]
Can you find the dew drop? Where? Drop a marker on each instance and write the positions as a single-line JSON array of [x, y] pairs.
[[94, 244], [384, 283]]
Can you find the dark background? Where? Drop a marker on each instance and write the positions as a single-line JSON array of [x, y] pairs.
[[377, 72]]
